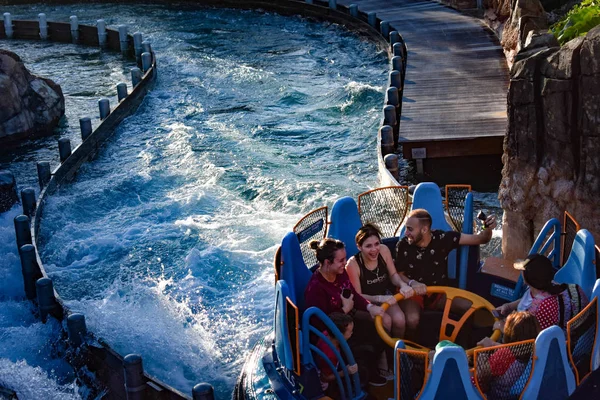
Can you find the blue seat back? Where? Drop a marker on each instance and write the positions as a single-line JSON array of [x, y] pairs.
[[427, 196], [345, 222], [293, 270], [449, 377], [580, 267], [552, 377], [596, 350], [283, 344]]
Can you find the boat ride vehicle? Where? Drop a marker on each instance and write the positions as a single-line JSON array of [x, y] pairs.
[[554, 365]]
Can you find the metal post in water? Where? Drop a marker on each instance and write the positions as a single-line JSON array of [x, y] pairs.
[[28, 201], [394, 37], [29, 269], [121, 91], [353, 10], [387, 140], [385, 29], [398, 49], [333, 4], [44, 173], [392, 96], [309, 1], [146, 61], [391, 163], [104, 107], [389, 115], [137, 44], [43, 26], [372, 18], [22, 230], [64, 149], [134, 377], [389, 118], [85, 125], [45, 296], [136, 76], [8, 26], [397, 63], [74, 28], [124, 45], [147, 46], [203, 391], [101, 25], [395, 79], [393, 99], [76, 328]]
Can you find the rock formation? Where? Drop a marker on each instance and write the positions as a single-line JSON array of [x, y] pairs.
[[552, 147], [29, 105], [8, 191]]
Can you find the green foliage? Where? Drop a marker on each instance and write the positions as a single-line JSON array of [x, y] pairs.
[[578, 21]]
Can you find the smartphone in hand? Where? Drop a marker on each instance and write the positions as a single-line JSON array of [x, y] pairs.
[[496, 314], [346, 293]]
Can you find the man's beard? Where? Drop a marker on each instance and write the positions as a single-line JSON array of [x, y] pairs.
[[417, 238]]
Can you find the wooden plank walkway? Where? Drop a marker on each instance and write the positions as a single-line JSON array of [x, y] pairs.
[[456, 79]]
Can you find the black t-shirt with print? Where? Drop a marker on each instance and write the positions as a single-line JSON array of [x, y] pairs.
[[428, 265]]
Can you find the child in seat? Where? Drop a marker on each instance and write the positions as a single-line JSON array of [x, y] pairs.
[[345, 324]]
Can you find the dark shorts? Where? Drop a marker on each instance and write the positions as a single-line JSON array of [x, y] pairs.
[[428, 301]]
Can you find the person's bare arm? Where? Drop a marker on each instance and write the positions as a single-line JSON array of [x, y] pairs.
[[480, 238], [395, 277]]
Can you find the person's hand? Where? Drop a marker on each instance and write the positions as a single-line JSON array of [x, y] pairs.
[[499, 325], [486, 342], [391, 300], [419, 288], [490, 222], [347, 303], [407, 291], [352, 369], [375, 310], [504, 309]]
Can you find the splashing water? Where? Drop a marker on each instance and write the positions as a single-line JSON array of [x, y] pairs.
[[165, 241]]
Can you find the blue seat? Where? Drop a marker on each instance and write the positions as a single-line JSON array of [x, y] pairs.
[[449, 377], [293, 271], [345, 222], [580, 267], [552, 377], [283, 344], [596, 350]]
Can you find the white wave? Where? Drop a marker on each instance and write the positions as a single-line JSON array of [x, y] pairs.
[[33, 383]]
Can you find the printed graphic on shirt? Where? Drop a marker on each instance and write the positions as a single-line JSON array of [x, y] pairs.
[[428, 265]]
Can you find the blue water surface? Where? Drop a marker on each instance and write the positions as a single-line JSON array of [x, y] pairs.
[[165, 241]]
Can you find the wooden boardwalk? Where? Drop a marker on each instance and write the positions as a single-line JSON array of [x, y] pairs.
[[454, 101]]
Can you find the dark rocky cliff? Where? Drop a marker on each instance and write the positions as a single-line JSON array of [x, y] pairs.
[[29, 105], [552, 147]]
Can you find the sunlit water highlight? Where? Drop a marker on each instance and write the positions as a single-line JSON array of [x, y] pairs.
[[165, 241]]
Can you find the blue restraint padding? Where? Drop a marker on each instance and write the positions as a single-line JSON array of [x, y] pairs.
[[345, 222], [293, 270], [282, 338], [596, 350], [552, 377], [580, 268], [450, 375]]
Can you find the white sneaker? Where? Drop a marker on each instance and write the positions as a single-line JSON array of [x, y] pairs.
[[388, 375]]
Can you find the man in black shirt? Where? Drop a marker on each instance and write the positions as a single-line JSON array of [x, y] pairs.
[[422, 258]]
